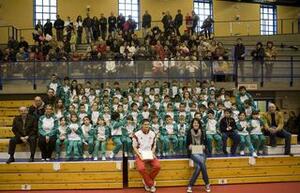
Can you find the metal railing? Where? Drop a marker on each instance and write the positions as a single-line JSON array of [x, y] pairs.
[[37, 73]]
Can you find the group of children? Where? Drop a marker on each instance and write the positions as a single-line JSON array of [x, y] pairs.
[[91, 116]]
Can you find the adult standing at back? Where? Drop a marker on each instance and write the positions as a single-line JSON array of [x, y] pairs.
[[146, 23], [144, 146], [195, 18], [207, 26], [59, 26], [275, 121], [196, 143], [239, 54], [25, 131], [178, 21], [87, 24]]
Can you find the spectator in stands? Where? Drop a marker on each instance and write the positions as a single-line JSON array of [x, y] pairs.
[[275, 127], [196, 138], [228, 129], [23, 44], [50, 99], [239, 54], [144, 146], [271, 54], [79, 29], [103, 26], [195, 19], [146, 23], [48, 125], [112, 23], [188, 23], [39, 26], [87, 24], [258, 57], [120, 22], [12, 44], [59, 26], [178, 22], [241, 97], [48, 28], [25, 131], [207, 26], [291, 124], [38, 108]]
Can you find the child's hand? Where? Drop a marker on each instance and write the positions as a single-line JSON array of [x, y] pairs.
[[85, 143]]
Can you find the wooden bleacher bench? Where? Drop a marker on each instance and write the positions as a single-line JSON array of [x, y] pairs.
[[225, 171], [15, 103]]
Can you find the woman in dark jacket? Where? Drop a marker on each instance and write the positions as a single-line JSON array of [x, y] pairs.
[[258, 56], [196, 136]]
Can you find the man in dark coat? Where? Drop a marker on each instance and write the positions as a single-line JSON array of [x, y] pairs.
[[25, 130], [178, 21], [59, 26]]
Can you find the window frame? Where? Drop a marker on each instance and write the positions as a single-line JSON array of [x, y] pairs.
[[42, 12], [266, 23], [124, 11], [211, 12]]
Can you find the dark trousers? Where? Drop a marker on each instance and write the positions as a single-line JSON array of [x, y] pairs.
[[207, 32], [235, 138], [14, 141], [47, 148], [281, 134], [177, 30], [59, 34]]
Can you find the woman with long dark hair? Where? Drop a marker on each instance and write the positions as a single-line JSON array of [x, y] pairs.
[[196, 141]]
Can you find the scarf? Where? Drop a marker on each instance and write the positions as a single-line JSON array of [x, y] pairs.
[[196, 137]]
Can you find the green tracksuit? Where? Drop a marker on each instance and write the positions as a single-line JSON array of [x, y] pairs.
[[88, 137], [116, 133], [171, 132], [243, 131], [127, 133], [101, 136], [62, 133], [257, 138], [182, 132], [75, 138], [212, 133]]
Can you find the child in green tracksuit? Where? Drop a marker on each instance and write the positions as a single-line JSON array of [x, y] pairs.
[[243, 131], [61, 136], [101, 136], [88, 136], [82, 113], [171, 131], [212, 132], [182, 132], [127, 133], [156, 127], [75, 138], [257, 137], [116, 133]]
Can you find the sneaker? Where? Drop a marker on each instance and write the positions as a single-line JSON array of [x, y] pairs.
[[10, 160], [189, 190], [47, 159], [90, 156], [164, 154], [43, 159], [242, 153], [254, 154], [125, 154], [145, 186], [103, 158], [95, 158], [84, 156], [112, 155], [207, 188], [152, 189]]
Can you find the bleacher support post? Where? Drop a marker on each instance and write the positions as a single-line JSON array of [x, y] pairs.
[[34, 75], [1, 75], [292, 72], [262, 74], [235, 65]]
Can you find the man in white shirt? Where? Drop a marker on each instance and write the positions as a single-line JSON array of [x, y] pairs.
[[144, 143]]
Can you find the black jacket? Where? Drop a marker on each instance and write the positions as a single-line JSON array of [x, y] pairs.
[[59, 24], [48, 28], [189, 140], [146, 23], [239, 50], [87, 22], [36, 112], [226, 122], [178, 20], [30, 128]]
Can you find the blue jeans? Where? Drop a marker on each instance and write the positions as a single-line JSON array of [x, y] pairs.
[[199, 163]]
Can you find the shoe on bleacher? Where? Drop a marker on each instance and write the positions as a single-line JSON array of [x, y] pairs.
[[95, 158], [10, 160], [47, 159], [147, 188], [125, 154], [152, 189], [112, 155], [207, 188], [289, 154], [189, 190], [103, 158], [254, 154], [242, 153]]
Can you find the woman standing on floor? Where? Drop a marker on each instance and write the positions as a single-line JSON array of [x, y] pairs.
[[196, 143]]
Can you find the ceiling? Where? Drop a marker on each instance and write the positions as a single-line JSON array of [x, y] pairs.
[[295, 3]]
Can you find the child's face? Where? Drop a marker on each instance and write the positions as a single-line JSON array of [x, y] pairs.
[[145, 107], [101, 122], [211, 106], [181, 108], [86, 121], [155, 120], [106, 109], [255, 116], [76, 99], [135, 108], [233, 107], [198, 116], [242, 117], [169, 109], [82, 109], [227, 114], [83, 100], [182, 120], [62, 122], [95, 107], [227, 97], [220, 107], [74, 118], [120, 108], [169, 120], [210, 116]]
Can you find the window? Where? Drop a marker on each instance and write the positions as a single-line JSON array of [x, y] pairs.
[[203, 8], [268, 20], [45, 9], [130, 7]]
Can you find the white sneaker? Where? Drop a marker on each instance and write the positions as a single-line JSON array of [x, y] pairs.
[[103, 158], [164, 154], [152, 189], [242, 153], [145, 186], [207, 188], [112, 155], [254, 154], [125, 154], [84, 156], [90, 156], [47, 159], [189, 190], [95, 158]]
